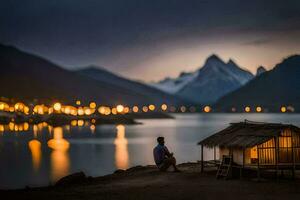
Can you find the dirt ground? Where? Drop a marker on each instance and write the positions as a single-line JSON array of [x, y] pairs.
[[148, 183]]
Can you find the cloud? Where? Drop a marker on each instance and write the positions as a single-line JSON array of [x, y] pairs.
[[257, 42]]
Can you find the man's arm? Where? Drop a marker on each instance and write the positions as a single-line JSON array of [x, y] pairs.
[[167, 152]]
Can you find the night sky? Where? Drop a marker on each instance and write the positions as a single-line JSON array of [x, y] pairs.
[[151, 39]]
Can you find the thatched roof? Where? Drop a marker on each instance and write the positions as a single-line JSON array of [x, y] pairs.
[[246, 134]]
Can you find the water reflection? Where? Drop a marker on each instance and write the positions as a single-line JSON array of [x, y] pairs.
[[60, 161], [36, 154], [121, 150]]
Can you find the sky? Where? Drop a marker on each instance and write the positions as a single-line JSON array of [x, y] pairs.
[[150, 40]]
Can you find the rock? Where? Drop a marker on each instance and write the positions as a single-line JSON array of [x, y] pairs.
[[118, 171], [72, 179]]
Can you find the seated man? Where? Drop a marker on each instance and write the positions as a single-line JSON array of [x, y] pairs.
[[162, 157]]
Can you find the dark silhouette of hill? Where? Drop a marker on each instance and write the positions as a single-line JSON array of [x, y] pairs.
[[110, 78], [26, 76], [272, 89]]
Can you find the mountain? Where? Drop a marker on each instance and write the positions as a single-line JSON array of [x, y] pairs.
[[215, 79], [100, 74], [173, 85], [271, 90], [260, 70], [27, 77]]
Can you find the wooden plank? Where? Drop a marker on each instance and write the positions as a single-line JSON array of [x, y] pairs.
[[258, 161], [293, 154], [202, 161]]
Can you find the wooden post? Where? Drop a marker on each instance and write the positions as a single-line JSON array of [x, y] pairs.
[[258, 166], [215, 154], [294, 160], [241, 170], [276, 155], [202, 161]]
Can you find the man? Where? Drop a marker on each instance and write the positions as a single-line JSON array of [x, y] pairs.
[[162, 157]]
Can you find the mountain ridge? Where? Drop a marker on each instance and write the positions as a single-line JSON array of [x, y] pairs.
[[220, 77]]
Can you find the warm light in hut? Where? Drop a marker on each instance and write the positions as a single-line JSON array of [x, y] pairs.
[[135, 109], [253, 152], [207, 109], [247, 109], [120, 108], [164, 107]]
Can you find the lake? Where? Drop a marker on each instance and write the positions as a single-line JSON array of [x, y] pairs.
[[39, 155]]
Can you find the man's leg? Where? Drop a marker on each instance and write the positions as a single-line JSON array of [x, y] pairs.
[[173, 161]]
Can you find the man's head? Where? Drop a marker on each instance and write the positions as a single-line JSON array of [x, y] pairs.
[[161, 140]]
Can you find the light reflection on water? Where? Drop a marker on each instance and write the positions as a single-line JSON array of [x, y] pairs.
[[60, 161], [41, 154], [121, 154]]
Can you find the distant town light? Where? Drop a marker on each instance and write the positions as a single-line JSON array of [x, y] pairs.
[[126, 110], [258, 109], [57, 106], [92, 127], [93, 105], [151, 107], [135, 109], [78, 102], [182, 108], [247, 109], [80, 122], [145, 109], [207, 109], [283, 109], [164, 107], [80, 111], [114, 111], [120, 108]]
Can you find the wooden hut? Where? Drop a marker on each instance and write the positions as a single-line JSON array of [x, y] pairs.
[[257, 145]]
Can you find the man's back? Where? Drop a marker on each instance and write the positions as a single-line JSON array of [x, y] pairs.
[[159, 153]]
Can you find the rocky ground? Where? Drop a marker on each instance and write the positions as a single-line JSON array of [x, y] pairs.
[[148, 183]]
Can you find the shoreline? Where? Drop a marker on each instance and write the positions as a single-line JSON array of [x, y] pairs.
[[146, 182]]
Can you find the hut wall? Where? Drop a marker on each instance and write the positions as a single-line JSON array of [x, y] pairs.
[[237, 156], [223, 152]]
